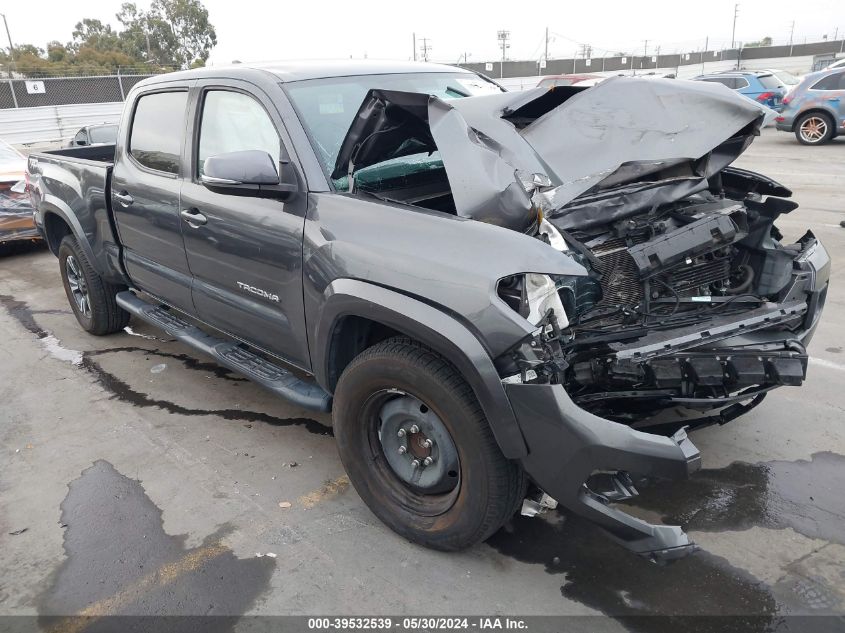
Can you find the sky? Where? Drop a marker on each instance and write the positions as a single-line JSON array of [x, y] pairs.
[[254, 30]]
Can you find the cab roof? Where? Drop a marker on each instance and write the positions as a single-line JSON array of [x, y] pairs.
[[312, 69]]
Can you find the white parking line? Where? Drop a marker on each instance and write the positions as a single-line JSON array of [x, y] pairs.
[[822, 362]]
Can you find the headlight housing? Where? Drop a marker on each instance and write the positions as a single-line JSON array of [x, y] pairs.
[[533, 294]]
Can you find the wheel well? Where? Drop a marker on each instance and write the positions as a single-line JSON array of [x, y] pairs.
[[814, 111], [55, 229], [351, 336]]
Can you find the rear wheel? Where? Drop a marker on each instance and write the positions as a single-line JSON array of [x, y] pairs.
[[418, 449], [814, 128], [91, 298]]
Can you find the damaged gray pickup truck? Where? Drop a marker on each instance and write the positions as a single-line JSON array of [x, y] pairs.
[[504, 298]]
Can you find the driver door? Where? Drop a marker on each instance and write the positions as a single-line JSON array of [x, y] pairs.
[[244, 252]]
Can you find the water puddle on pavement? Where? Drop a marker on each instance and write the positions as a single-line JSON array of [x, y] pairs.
[[121, 390], [804, 495], [600, 574], [120, 562]]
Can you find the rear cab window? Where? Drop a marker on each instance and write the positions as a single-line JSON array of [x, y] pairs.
[[158, 125]]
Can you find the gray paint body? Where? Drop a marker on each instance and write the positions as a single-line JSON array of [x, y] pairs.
[[329, 255]]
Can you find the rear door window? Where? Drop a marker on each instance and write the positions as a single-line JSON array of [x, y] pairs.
[[158, 126], [739, 83], [725, 81], [836, 81]]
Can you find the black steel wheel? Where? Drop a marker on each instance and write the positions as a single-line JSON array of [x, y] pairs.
[[418, 448]]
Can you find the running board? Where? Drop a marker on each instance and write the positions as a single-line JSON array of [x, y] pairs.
[[231, 355]]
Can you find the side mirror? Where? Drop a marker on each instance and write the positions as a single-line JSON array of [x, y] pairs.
[[247, 173], [80, 142]]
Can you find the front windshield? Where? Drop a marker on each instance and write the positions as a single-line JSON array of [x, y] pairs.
[[327, 106]]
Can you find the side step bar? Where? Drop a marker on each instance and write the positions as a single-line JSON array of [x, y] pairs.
[[231, 355]]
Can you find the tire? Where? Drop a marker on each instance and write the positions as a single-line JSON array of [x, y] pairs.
[[814, 128], [488, 488], [99, 313]]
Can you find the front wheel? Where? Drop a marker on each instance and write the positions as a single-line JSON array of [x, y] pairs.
[[91, 298], [814, 128], [418, 449]]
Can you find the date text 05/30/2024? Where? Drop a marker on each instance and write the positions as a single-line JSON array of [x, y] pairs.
[[416, 623]]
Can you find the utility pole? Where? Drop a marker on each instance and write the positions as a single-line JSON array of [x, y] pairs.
[[706, 45], [11, 46], [414, 45], [503, 37], [733, 32], [425, 47], [546, 51], [791, 32]]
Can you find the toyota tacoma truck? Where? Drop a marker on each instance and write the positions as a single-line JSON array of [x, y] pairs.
[[506, 299]]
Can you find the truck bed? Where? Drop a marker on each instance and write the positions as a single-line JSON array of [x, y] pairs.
[[74, 184], [92, 153]]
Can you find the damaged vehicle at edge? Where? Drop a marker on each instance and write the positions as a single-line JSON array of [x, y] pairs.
[[682, 307], [504, 299]]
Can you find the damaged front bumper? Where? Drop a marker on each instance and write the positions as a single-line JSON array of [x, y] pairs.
[[567, 445], [587, 462]]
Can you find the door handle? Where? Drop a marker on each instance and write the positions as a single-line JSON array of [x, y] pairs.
[[124, 198], [193, 217]]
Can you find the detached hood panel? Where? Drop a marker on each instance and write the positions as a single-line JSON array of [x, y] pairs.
[[623, 131]]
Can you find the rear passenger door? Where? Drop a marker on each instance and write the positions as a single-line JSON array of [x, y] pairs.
[[830, 90], [145, 191], [246, 254]]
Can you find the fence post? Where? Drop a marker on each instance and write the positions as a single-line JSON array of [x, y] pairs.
[[120, 83], [12, 89]]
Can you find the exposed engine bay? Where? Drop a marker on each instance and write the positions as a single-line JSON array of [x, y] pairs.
[[664, 321], [691, 308]]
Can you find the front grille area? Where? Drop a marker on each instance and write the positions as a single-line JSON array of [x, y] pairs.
[[694, 278], [620, 281]]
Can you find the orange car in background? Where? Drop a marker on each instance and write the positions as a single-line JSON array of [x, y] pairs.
[[16, 222]]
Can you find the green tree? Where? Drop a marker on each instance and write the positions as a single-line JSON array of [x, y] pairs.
[[172, 32], [766, 41]]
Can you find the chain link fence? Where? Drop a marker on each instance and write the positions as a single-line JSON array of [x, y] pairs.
[[34, 88]]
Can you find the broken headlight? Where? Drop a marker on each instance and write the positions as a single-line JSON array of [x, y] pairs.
[[532, 295]]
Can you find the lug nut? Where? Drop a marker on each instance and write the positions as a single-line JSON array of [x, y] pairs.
[[428, 461], [401, 432], [402, 450], [428, 443], [414, 429], [415, 463]]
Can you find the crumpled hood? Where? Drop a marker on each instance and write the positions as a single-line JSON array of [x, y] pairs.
[[656, 140]]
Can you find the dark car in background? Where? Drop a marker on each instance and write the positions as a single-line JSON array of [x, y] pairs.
[[815, 109], [760, 86], [100, 134]]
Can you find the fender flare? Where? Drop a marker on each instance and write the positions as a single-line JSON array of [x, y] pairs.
[[106, 261], [57, 206], [429, 325]]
